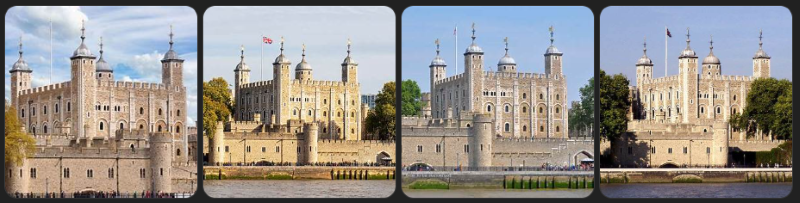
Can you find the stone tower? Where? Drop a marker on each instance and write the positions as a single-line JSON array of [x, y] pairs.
[[687, 64], [711, 64], [17, 178], [438, 71], [281, 82], [303, 70], [552, 58], [310, 136], [507, 64], [349, 67], [480, 140], [217, 146], [473, 65], [761, 60], [84, 84], [644, 67], [719, 145], [20, 78], [242, 74], [104, 71], [171, 66], [161, 161]]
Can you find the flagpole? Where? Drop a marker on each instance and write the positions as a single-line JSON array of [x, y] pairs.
[[455, 51], [51, 51], [261, 66], [665, 50]]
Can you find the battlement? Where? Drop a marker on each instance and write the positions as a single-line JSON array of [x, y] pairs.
[[84, 153], [46, 88], [544, 140], [256, 84], [261, 136], [727, 77], [449, 79], [501, 75], [134, 85], [661, 80], [409, 131], [319, 83]]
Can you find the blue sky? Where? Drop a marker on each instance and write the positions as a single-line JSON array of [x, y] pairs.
[[526, 28], [134, 41], [735, 31], [323, 29]]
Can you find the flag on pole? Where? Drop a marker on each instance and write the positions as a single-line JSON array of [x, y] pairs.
[[669, 34], [267, 40]]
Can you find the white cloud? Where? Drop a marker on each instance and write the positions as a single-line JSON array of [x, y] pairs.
[[36, 19], [146, 65]]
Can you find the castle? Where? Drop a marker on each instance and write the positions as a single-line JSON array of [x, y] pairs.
[[305, 121], [97, 134], [494, 118], [683, 119]]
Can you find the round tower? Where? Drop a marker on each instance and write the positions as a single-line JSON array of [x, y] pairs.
[[303, 70], [761, 61], [711, 64], [480, 138], [217, 143], [719, 145], [507, 64], [438, 70], [161, 162], [17, 178], [20, 77], [310, 135]]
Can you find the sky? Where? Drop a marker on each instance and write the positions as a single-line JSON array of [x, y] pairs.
[[134, 41], [525, 27], [324, 31], [735, 33]]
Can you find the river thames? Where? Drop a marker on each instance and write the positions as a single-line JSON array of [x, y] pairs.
[[696, 190], [498, 193], [299, 188]]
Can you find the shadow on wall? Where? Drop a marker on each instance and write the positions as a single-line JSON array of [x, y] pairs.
[[633, 154]]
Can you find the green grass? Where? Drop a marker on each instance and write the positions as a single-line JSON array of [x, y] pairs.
[[377, 176], [687, 179], [278, 177], [429, 184]]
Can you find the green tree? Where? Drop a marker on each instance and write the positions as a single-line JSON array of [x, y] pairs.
[[614, 105], [581, 115], [381, 120], [769, 109], [217, 104], [18, 144], [411, 98]]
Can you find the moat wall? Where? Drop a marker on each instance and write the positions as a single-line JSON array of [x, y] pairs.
[[497, 180], [296, 173], [696, 176]]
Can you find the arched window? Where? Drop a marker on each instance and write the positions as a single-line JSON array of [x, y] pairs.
[[541, 96], [294, 112], [179, 112], [557, 129], [44, 128], [339, 114], [141, 127], [121, 125], [558, 97], [702, 109], [489, 108], [541, 110], [557, 109], [324, 113], [524, 95], [45, 110], [159, 128], [719, 110], [159, 111], [507, 127], [57, 108], [524, 110], [101, 126], [524, 128], [309, 112], [507, 108], [541, 128], [23, 113], [353, 114], [141, 110], [69, 106], [178, 129], [178, 152]]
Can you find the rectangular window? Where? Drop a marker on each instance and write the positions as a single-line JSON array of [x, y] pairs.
[[466, 148], [277, 149], [33, 172], [263, 149], [248, 149], [708, 150], [66, 173], [685, 150], [419, 148], [227, 149], [89, 173], [438, 148], [669, 150]]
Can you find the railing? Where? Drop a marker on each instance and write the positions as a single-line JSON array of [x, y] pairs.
[[99, 195], [331, 164], [498, 168]]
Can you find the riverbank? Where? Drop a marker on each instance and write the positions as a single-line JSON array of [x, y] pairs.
[[696, 175], [297, 173], [299, 188], [691, 190], [510, 180]]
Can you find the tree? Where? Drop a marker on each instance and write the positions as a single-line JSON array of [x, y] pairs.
[[581, 116], [381, 120], [769, 109], [614, 104], [217, 104], [18, 144], [411, 98]]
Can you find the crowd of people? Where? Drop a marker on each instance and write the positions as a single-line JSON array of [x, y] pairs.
[[269, 163]]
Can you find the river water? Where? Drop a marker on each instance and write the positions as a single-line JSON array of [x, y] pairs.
[[299, 188], [696, 190], [498, 193]]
